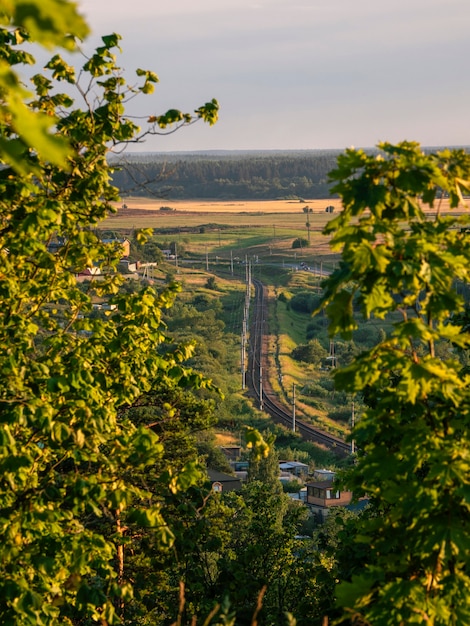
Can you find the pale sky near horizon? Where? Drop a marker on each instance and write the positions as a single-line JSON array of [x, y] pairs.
[[299, 74]]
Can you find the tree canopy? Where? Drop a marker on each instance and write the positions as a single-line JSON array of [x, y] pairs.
[[68, 443], [97, 439], [402, 255]]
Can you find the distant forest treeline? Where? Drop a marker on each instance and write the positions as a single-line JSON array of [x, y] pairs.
[[226, 175]]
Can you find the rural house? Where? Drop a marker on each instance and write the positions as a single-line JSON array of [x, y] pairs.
[[322, 495], [223, 482]]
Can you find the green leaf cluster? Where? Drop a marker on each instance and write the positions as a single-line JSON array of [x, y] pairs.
[[72, 457], [401, 255]]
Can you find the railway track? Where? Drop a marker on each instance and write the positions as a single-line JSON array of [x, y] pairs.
[[258, 380]]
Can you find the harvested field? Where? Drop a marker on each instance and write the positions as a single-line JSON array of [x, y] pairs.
[[145, 212], [244, 206]]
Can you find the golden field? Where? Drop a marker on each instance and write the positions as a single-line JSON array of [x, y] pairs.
[[281, 216], [145, 212], [243, 206]]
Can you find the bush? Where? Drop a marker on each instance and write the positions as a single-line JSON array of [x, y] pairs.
[[341, 414], [304, 302], [314, 390], [345, 352], [312, 352], [366, 335], [202, 302], [291, 486], [290, 453], [300, 242], [327, 383], [211, 283], [314, 403], [314, 328]]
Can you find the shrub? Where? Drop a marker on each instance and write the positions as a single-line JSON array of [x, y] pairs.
[[314, 328], [366, 335], [314, 390], [341, 414], [304, 302], [291, 486], [202, 302], [312, 352], [327, 383], [314, 403], [211, 283], [300, 242]]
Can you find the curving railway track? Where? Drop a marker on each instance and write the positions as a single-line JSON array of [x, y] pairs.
[[258, 380]]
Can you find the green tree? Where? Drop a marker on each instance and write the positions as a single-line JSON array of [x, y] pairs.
[[259, 555], [177, 416], [211, 283], [66, 377], [312, 352], [300, 242], [413, 440], [146, 250], [304, 302], [51, 23], [265, 469]]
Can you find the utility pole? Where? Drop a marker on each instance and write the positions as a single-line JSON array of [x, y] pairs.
[[293, 407], [207, 261], [246, 312], [353, 421], [243, 355], [332, 356], [231, 262], [261, 387]]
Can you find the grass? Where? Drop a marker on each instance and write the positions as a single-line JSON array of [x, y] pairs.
[[294, 325], [218, 238], [224, 228], [287, 327]]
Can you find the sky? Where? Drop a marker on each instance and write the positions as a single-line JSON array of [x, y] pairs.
[[298, 74]]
